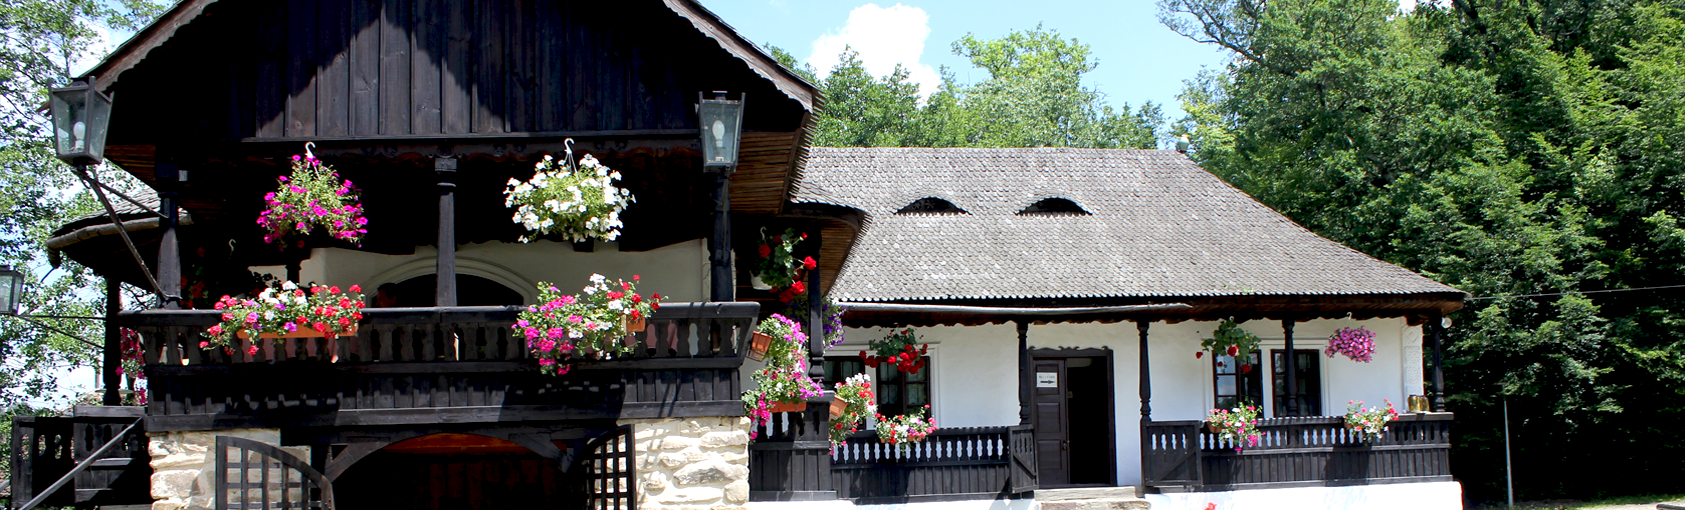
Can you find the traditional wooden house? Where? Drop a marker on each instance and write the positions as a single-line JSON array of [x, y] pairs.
[[431, 107], [1053, 286]]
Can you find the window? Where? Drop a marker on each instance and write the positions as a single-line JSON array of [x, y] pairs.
[[897, 392], [1236, 387], [1307, 376], [931, 205], [1054, 206]]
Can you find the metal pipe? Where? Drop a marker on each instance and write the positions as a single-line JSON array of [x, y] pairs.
[[82, 172], [1509, 475], [1001, 310]]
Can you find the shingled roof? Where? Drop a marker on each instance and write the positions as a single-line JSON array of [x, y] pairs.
[[1158, 226]]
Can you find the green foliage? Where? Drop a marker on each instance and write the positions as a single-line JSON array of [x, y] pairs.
[[1511, 148], [1033, 97]]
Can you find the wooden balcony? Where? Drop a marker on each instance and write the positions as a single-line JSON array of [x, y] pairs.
[[793, 461], [1182, 456], [420, 366]]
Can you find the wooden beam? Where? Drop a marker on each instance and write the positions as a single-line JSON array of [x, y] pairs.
[[113, 343], [1146, 373], [445, 292], [1024, 376], [1291, 392]]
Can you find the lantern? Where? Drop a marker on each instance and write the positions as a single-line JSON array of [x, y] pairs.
[[11, 290], [722, 129], [80, 117]]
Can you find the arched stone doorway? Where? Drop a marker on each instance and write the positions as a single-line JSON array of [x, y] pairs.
[[472, 472]]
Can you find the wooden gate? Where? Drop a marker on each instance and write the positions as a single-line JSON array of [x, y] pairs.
[[254, 475], [609, 471]]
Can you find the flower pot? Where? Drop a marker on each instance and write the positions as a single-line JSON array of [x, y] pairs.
[[304, 332], [787, 407], [837, 407], [758, 346], [755, 281], [1215, 428], [637, 325]]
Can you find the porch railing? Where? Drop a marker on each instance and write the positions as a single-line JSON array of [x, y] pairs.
[[435, 365], [953, 463], [45, 449], [1295, 452]]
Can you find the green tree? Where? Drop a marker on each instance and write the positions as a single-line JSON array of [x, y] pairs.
[[1504, 148]]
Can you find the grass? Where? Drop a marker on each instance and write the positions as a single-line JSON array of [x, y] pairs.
[[1574, 504]]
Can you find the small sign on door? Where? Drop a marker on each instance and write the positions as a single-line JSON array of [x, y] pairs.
[[1047, 379]]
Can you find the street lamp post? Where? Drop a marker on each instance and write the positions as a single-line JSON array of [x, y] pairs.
[[11, 290], [721, 121]]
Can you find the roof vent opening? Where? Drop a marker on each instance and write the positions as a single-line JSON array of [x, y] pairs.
[[931, 205], [1055, 206]]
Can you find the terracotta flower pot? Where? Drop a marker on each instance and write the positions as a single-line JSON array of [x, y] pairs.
[[637, 325], [787, 407], [1215, 428], [758, 346], [837, 407]]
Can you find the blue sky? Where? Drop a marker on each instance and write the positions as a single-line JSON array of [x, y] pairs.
[[1140, 60]]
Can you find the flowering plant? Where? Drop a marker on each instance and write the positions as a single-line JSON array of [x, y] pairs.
[[778, 266], [580, 201], [1231, 340], [1357, 344], [286, 309], [313, 196], [906, 428], [831, 311], [1239, 425], [789, 343], [899, 349], [1371, 422], [592, 325], [133, 362], [778, 385], [856, 391]]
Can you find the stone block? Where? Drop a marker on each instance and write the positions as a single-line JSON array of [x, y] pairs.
[[710, 472], [737, 492], [674, 460], [677, 442], [174, 483], [729, 438], [692, 495]]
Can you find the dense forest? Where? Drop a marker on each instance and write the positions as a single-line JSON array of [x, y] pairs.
[[1527, 152]]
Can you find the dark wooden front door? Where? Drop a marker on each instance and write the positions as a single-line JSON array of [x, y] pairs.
[[1053, 440]]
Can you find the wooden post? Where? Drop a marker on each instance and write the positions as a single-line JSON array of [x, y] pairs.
[[1437, 401], [113, 344], [815, 318], [722, 282], [445, 292], [1288, 359], [1146, 374], [1024, 375], [168, 179]]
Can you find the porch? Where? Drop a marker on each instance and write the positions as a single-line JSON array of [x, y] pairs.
[[1183, 456]]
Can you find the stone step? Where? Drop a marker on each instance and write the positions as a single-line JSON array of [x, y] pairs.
[[1097, 498]]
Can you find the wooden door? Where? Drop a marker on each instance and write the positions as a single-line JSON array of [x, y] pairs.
[[1051, 418]]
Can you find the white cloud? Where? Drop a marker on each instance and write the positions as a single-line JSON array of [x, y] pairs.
[[884, 37]]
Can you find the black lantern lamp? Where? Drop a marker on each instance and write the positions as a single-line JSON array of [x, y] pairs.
[[80, 117], [722, 129], [11, 290]]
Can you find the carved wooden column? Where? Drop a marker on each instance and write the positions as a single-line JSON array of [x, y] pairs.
[[1024, 376], [1288, 360], [445, 291], [815, 317], [1146, 374], [723, 284], [1436, 402], [169, 250], [113, 344]]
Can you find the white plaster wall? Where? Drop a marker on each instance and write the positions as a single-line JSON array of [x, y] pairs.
[[975, 370], [1398, 496], [679, 270]]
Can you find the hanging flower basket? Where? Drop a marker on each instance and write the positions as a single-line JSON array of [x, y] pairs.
[[758, 345], [788, 407], [1356, 344], [580, 200], [313, 196], [899, 348], [302, 333], [1230, 340], [837, 407], [779, 270], [850, 407]]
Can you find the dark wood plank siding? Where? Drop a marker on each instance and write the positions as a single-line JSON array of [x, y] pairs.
[[315, 69]]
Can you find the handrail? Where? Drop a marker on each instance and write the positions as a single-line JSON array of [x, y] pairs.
[[81, 466]]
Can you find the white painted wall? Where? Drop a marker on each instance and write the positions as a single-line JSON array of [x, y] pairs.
[[678, 272], [975, 370]]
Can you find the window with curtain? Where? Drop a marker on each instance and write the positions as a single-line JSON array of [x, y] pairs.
[[897, 391], [1307, 376], [1234, 387]]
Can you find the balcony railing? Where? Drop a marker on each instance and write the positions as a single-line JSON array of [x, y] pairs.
[[1296, 452], [431, 365], [791, 459]]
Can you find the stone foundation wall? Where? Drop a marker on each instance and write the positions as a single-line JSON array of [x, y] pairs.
[[184, 465], [692, 463]]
